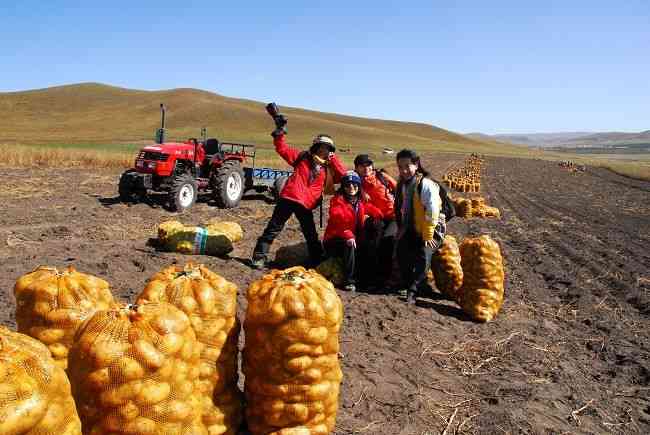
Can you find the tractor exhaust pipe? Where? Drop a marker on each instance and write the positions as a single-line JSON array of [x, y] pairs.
[[160, 133]]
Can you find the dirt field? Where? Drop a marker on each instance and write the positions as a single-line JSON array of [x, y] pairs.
[[569, 352]]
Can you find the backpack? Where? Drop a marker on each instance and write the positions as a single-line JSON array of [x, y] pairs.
[[447, 207]]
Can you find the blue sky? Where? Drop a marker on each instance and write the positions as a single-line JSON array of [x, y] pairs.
[[488, 66]]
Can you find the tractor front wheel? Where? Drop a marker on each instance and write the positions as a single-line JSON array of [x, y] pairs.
[[126, 190], [183, 193], [228, 184]]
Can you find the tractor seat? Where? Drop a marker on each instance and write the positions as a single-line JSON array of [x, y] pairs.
[[212, 146]]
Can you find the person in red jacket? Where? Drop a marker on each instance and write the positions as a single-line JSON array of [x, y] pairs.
[[379, 187], [348, 217], [302, 192]]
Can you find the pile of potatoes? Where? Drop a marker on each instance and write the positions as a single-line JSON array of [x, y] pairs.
[[134, 369], [52, 303], [210, 303], [472, 274], [168, 364], [35, 394], [466, 178], [291, 355], [474, 207]]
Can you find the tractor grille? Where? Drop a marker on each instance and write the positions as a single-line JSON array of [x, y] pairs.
[[152, 155]]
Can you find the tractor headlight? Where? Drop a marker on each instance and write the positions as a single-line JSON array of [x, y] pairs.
[[151, 165]]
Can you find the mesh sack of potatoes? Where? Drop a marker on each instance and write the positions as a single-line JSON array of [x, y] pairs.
[[210, 302], [134, 370], [52, 303], [233, 230], [463, 207], [332, 269], [35, 396], [447, 269], [481, 294], [175, 237], [291, 355]]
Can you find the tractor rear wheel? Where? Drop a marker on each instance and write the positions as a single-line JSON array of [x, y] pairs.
[[183, 193], [228, 184]]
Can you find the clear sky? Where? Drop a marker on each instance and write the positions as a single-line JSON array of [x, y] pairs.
[[488, 66]]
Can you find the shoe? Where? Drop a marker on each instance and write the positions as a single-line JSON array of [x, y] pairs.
[[402, 292], [350, 288], [258, 263], [410, 298]]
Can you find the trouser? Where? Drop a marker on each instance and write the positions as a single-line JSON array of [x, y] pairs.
[[338, 248], [377, 257], [414, 258], [281, 214]]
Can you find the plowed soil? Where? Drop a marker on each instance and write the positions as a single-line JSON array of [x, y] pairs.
[[569, 352]]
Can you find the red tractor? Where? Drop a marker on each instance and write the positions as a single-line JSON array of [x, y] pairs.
[[183, 169]]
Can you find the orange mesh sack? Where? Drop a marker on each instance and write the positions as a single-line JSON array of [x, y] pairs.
[[210, 302], [447, 269], [35, 394], [481, 295], [134, 370], [291, 354], [52, 303]]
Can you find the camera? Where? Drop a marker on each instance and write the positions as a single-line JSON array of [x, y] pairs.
[[279, 119]]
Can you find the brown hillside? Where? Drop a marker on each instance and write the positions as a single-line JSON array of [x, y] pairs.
[[92, 113]]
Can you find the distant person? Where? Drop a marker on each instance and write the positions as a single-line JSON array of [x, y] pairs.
[[349, 214], [379, 188], [302, 192], [421, 225]]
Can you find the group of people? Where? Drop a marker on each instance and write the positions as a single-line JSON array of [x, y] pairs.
[[372, 216]]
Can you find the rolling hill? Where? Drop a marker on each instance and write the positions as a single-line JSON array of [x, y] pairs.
[[93, 113], [568, 139]]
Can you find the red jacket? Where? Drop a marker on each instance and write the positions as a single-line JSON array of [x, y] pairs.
[[343, 223], [298, 187], [380, 195]]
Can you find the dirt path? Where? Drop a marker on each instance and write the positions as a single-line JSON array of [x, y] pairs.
[[569, 353]]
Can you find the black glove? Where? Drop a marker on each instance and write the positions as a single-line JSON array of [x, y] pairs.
[[279, 132], [280, 121]]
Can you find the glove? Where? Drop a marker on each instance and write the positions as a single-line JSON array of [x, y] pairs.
[[280, 120], [279, 132]]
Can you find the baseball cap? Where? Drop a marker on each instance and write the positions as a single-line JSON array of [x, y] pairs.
[[362, 160]]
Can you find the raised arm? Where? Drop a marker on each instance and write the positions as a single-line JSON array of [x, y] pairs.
[[287, 152]]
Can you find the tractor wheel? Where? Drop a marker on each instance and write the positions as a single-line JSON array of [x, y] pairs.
[[228, 184], [278, 185], [126, 190], [183, 193]]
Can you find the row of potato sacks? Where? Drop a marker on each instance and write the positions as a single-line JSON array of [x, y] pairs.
[[167, 365], [471, 274]]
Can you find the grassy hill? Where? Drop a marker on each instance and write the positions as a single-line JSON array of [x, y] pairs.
[[92, 114]]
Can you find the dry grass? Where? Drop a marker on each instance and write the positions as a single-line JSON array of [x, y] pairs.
[[29, 156]]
